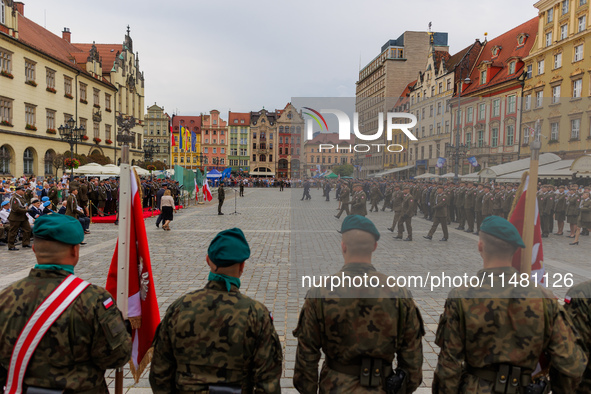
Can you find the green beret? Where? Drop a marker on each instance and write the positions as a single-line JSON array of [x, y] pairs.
[[60, 228], [229, 247], [502, 229], [358, 222]]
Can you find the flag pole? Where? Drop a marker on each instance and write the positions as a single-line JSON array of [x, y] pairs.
[[530, 204], [124, 136]]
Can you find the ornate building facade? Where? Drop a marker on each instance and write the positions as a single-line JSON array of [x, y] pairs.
[[157, 131]]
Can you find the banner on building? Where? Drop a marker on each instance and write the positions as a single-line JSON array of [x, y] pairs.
[[472, 160], [440, 162]]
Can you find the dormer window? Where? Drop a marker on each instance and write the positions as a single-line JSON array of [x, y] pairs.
[[289, 115], [512, 67], [483, 77], [495, 51], [521, 38]]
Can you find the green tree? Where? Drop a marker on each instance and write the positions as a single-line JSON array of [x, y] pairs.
[[343, 169]]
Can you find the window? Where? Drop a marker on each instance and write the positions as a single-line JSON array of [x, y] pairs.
[[577, 87], [578, 53], [30, 116], [28, 161], [4, 160], [582, 2], [431, 111], [540, 67], [550, 15], [430, 151], [447, 126], [430, 130], [481, 111], [68, 86], [214, 150], [469, 140], [50, 120], [510, 135], [495, 137], [107, 102], [205, 150], [497, 107], [511, 68], [563, 31], [554, 131], [2, 13], [83, 123], [582, 23], [29, 70], [50, 78], [528, 72], [539, 98], [222, 151], [82, 92], [482, 77], [526, 132], [511, 100], [439, 108], [470, 115], [108, 132], [564, 6], [480, 138], [5, 57], [95, 96], [528, 102], [575, 127], [556, 94], [548, 38], [558, 60], [6, 110], [96, 130]]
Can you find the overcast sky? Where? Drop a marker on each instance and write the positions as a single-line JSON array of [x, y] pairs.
[[242, 55]]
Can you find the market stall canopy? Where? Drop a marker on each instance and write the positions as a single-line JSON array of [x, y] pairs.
[[473, 176], [89, 169], [332, 175], [214, 174], [426, 176], [391, 171], [140, 171], [557, 169], [111, 169], [582, 165], [514, 166], [448, 175]]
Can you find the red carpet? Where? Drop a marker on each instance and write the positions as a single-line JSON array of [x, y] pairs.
[[112, 218]]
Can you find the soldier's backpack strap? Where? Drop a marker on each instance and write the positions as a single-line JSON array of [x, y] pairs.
[[38, 324]]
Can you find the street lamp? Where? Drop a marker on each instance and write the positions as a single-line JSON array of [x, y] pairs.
[[457, 152], [215, 161], [521, 81], [71, 134], [150, 148]]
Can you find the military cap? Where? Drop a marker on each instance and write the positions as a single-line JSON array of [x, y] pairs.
[[358, 222], [476, 184], [229, 247], [47, 203], [44, 198], [573, 188], [487, 186], [4, 203], [503, 229], [60, 228]]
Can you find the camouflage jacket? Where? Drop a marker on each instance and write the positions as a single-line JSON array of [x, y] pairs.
[[214, 336], [578, 307], [359, 203], [408, 205], [489, 325], [87, 339], [350, 323]]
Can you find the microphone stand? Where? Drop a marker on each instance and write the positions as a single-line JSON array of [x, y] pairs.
[[235, 211]]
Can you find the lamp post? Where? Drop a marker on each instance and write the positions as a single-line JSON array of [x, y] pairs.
[[71, 134], [457, 152], [521, 81], [215, 161], [150, 148]]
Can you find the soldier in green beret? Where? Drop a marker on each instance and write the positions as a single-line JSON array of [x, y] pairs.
[[358, 328], [86, 339], [216, 337], [492, 335]]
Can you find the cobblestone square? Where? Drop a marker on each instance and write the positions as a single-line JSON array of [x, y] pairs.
[[290, 238]]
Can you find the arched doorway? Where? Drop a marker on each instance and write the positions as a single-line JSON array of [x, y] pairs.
[[6, 155], [28, 161]]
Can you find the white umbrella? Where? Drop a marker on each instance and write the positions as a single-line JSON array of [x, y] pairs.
[[111, 169], [90, 168], [426, 176], [140, 171]]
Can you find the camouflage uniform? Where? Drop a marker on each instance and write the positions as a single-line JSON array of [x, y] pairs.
[[483, 327], [212, 336], [351, 323], [344, 198], [87, 339], [407, 210], [359, 203], [578, 306]]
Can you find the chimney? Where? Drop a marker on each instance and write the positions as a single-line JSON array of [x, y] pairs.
[[66, 34], [20, 7]]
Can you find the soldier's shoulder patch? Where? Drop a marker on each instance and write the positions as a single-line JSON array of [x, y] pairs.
[[567, 299], [108, 303], [271, 315]]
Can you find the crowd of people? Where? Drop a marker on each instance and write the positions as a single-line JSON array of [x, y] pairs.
[[465, 203]]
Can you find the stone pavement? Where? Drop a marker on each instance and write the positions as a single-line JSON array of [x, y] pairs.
[[290, 238]]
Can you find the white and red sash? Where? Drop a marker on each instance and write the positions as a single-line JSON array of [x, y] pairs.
[[45, 315]]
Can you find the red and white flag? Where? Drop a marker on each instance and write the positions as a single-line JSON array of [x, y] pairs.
[[143, 312], [537, 255], [206, 191], [172, 140], [196, 190]]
